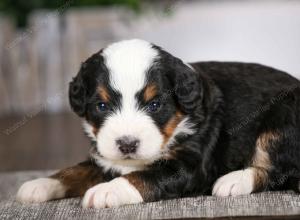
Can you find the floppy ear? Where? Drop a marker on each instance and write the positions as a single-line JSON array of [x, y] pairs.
[[187, 84], [77, 95], [82, 87], [187, 87]]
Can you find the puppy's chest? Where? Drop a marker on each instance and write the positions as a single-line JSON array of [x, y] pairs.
[[122, 169]]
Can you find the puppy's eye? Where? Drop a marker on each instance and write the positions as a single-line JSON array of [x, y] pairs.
[[153, 106], [102, 106]]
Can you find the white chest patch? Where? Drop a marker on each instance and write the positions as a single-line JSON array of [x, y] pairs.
[[123, 167]]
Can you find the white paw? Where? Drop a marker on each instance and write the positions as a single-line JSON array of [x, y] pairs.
[[40, 190], [111, 194], [236, 183]]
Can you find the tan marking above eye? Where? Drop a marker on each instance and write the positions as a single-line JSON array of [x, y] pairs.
[[150, 92], [103, 93]]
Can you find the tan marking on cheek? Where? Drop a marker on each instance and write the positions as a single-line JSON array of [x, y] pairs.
[[261, 159], [95, 130], [171, 154], [144, 188], [104, 94], [150, 92], [171, 125]]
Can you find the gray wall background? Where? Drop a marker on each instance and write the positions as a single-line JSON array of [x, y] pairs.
[[266, 32]]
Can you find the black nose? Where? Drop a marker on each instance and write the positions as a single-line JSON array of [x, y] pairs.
[[128, 144]]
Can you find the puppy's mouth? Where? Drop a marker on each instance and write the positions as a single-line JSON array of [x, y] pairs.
[[94, 153], [125, 160]]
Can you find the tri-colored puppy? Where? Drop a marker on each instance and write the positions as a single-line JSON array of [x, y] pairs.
[[164, 129]]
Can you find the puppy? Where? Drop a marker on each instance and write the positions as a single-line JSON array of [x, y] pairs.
[[163, 129]]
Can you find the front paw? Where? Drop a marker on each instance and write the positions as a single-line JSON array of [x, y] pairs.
[[40, 190], [111, 194], [236, 183]]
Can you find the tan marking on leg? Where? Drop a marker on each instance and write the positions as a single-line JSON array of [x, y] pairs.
[[261, 159], [80, 178], [150, 92], [144, 189]]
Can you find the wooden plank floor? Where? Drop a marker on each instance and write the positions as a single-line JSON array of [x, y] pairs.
[[41, 142]]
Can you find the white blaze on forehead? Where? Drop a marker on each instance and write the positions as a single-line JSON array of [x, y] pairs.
[[128, 62]]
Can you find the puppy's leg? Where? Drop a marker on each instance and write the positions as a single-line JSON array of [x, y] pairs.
[[277, 151], [117, 192], [274, 164], [40, 190], [240, 182], [256, 176], [69, 182], [153, 184]]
